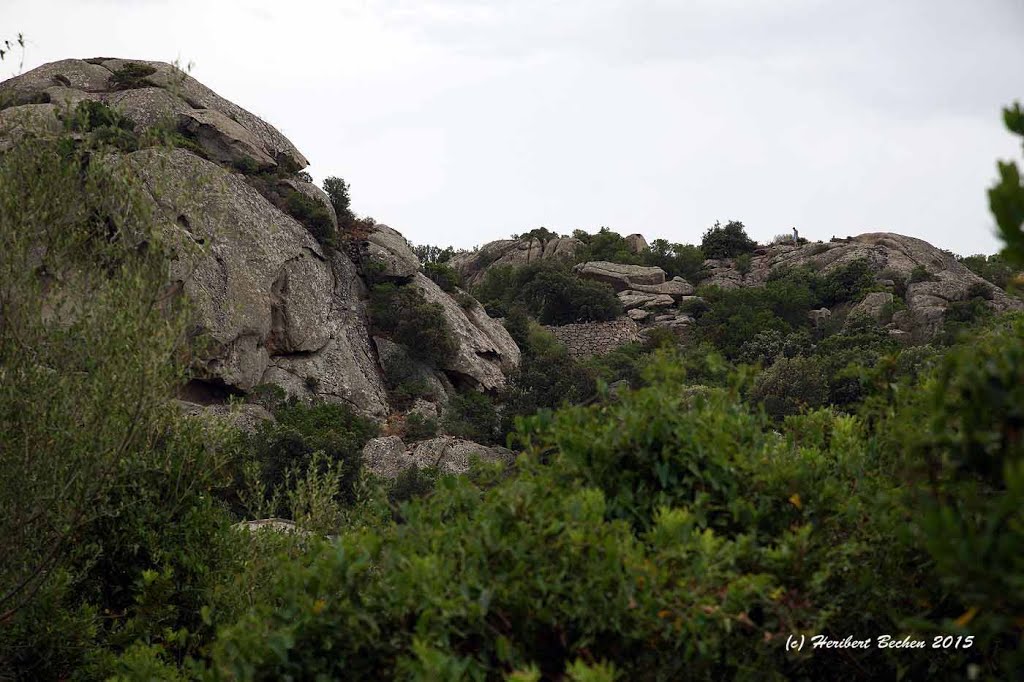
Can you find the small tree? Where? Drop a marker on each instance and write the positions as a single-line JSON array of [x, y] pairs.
[[338, 191], [727, 241]]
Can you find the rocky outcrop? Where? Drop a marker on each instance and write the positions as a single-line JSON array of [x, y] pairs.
[[472, 265], [389, 456], [621, 276], [891, 257], [391, 254], [486, 351], [873, 306], [269, 303], [636, 243], [155, 92]]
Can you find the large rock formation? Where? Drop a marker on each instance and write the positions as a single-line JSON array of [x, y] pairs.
[[891, 257], [621, 276], [270, 304], [472, 265]]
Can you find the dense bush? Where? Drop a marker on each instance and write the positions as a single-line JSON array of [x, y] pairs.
[[313, 214], [790, 386], [847, 283], [132, 75], [338, 192], [550, 292], [542, 234], [284, 449], [408, 318], [993, 268], [474, 416], [677, 260], [556, 296], [726, 241], [442, 275]]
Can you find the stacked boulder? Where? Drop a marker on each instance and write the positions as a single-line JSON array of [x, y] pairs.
[[272, 303], [645, 293]]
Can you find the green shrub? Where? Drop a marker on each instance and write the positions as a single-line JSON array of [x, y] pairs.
[[559, 297], [677, 260], [549, 292], [443, 276], [542, 234], [743, 263], [418, 427], [284, 449], [403, 313], [920, 274], [131, 76], [338, 192], [104, 126], [790, 386], [847, 283], [311, 213], [728, 241], [474, 416]]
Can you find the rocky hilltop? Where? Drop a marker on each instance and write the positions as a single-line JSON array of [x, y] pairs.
[[273, 305], [926, 279], [929, 279]]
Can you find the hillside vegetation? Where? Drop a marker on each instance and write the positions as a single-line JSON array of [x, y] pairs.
[[674, 511]]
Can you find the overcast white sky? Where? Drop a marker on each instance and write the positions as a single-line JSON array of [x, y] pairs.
[[461, 121]]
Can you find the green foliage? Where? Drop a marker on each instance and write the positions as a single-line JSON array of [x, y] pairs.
[[550, 292], [131, 76], [418, 427], [557, 296], [920, 274], [993, 268], [474, 416], [743, 263], [607, 246], [1006, 198], [403, 313], [542, 234], [338, 192], [428, 253], [110, 532], [546, 377], [790, 386], [728, 241], [104, 126], [443, 275], [313, 214], [677, 260], [284, 450], [847, 283]]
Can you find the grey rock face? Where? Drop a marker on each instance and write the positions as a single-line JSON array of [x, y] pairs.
[[513, 252], [820, 316], [486, 351], [620, 276], [224, 140], [872, 306], [637, 243], [389, 456], [391, 250], [270, 304], [677, 287], [72, 80]]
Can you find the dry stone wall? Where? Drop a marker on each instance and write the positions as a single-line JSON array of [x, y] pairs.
[[586, 339]]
